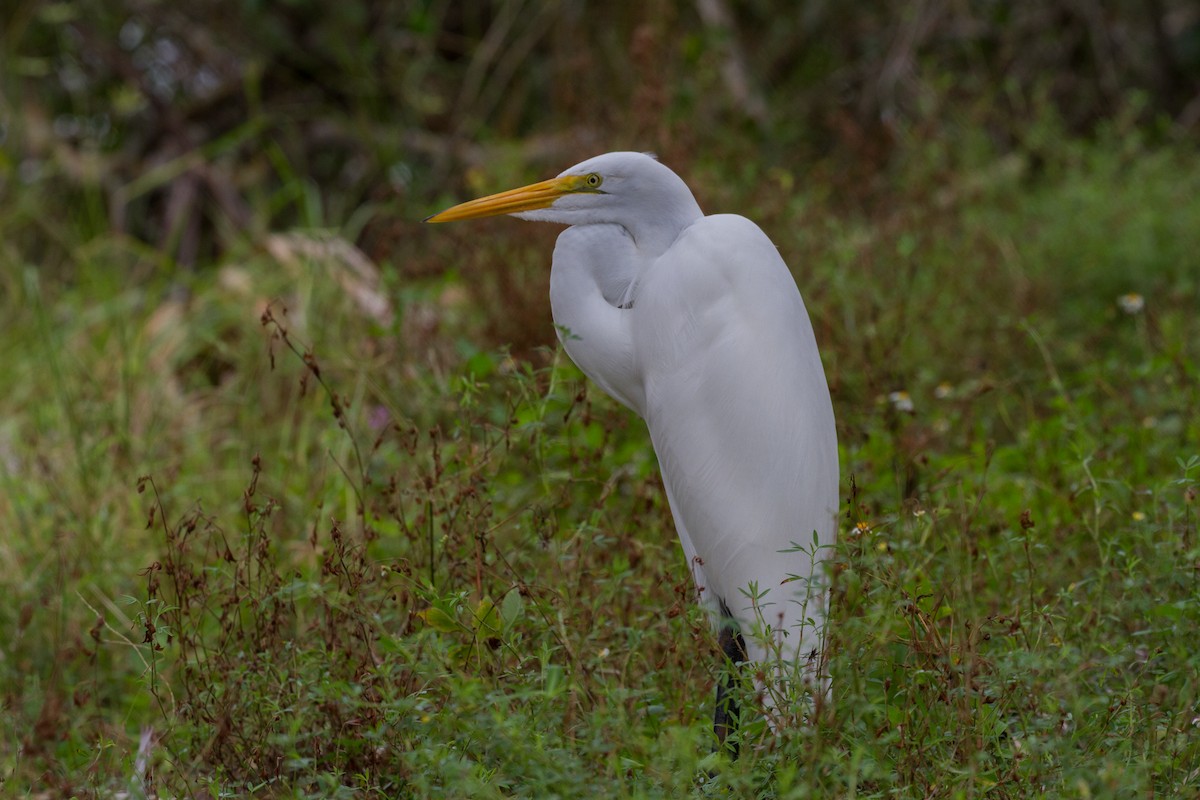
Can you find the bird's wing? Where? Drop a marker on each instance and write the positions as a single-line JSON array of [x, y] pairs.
[[593, 265], [740, 415]]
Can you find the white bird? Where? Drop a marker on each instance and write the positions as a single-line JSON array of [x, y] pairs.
[[695, 323]]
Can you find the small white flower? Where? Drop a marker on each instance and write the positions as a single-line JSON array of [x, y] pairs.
[[901, 401], [1131, 303], [943, 391]]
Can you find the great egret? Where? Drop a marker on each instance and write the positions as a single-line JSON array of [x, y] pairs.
[[696, 324]]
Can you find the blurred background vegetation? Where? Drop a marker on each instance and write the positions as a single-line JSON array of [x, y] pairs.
[[168, 122], [991, 209], [184, 131]]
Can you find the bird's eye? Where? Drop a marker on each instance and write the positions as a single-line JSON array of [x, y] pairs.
[[592, 180]]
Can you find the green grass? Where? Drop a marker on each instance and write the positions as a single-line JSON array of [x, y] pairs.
[[332, 551]]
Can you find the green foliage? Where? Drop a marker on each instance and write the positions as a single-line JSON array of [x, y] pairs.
[[390, 561], [298, 498]]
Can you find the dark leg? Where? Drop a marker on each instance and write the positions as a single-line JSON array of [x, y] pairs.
[[733, 647]]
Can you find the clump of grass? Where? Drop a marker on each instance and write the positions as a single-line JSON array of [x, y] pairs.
[[385, 558]]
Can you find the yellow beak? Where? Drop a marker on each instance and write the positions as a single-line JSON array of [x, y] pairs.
[[527, 198]]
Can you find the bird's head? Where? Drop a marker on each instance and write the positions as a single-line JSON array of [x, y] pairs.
[[628, 189]]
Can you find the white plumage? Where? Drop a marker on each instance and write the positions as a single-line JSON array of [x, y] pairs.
[[696, 324]]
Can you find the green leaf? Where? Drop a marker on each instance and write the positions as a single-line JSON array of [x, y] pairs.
[[511, 608], [439, 620], [1172, 611], [486, 618]]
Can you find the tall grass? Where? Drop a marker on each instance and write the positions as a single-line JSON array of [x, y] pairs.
[[298, 526]]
